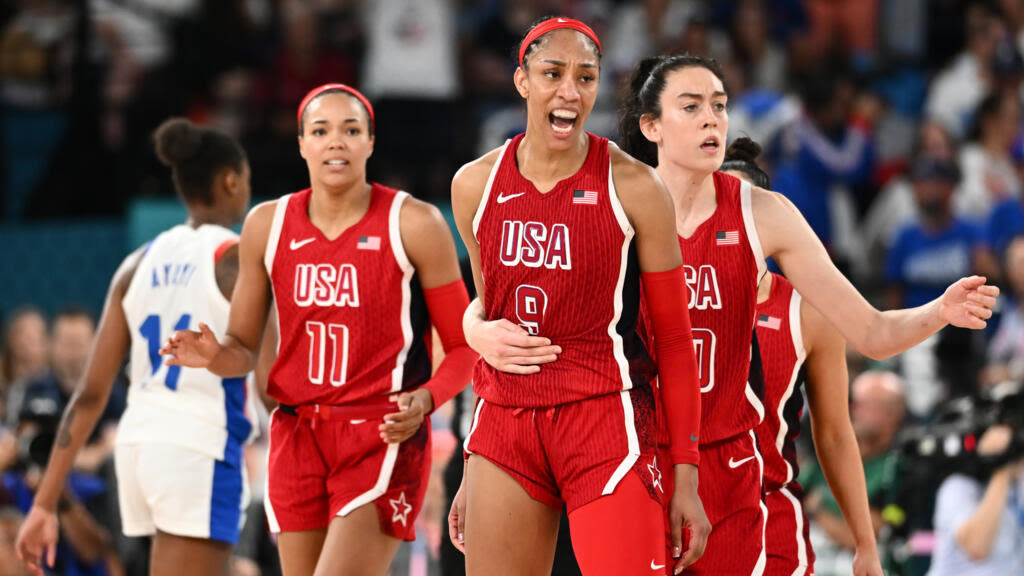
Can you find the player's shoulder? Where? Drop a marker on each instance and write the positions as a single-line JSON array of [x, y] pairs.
[[420, 217], [474, 174], [125, 272], [767, 201], [627, 169]]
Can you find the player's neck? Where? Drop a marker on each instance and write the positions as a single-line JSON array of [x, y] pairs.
[[545, 167], [334, 210], [201, 215], [693, 195]]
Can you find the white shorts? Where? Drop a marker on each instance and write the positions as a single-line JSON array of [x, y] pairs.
[[180, 491]]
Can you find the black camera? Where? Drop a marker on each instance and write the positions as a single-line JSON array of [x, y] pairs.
[[950, 443], [38, 420]]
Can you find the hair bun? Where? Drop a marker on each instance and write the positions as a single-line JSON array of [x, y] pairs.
[[743, 149], [177, 140]]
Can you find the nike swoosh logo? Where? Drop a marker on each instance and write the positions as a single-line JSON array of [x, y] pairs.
[[656, 566], [502, 199], [738, 463], [296, 245], [693, 438]]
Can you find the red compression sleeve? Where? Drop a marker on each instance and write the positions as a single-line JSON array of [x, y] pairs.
[[677, 364], [446, 305]]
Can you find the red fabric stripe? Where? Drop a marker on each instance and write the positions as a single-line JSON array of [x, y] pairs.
[[223, 248]]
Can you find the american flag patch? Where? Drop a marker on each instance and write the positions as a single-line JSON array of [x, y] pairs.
[[766, 321], [369, 243], [584, 197], [730, 238]]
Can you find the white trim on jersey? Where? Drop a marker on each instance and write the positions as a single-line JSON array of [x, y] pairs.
[[762, 558], [754, 400], [747, 208], [476, 422], [801, 545], [273, 239], [268, 506], [380, 487], [627, 229], [395, 237], [275, 233], [487, 190], [801, 355], [632, 442]]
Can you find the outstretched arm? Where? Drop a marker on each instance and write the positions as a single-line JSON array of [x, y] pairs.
[[37, 539], [235, 354], [786, 236], [834, 440]]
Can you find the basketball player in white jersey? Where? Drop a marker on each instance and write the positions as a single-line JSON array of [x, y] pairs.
[[178, 457]]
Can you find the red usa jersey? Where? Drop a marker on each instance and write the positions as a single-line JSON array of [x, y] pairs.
[[561, 264], [783, 355], [350, 312], [723, 262]]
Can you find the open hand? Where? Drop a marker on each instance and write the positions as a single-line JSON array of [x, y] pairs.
[[37, 539], [509, 348], [191, 348]]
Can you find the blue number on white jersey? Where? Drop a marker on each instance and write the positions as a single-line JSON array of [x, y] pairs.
[[150, 330]]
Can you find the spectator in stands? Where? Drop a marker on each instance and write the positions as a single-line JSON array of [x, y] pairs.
[[73, 332], [23, 356], [877, 410], [1006, 349], [959, 88], [935, 246], [895, 206], [829, 146], [990, 176]]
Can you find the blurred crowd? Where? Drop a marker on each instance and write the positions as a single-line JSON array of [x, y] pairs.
[[895, 127]]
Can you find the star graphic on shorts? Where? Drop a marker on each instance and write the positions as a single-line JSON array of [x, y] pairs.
[[655, 473], [401, 508]]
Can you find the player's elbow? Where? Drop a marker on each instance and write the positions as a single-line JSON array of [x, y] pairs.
[[871, 340]]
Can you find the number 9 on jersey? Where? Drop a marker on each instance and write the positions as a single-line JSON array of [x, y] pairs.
[[531, 305]]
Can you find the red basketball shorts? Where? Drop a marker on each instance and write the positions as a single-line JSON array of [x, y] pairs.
[[730, 489], [787, 535], [319, 469], [575, 452]]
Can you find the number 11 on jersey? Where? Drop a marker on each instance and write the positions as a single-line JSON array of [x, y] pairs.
[[150, 330], [319, 335]]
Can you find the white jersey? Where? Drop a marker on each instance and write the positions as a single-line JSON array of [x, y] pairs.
[[175, 288]]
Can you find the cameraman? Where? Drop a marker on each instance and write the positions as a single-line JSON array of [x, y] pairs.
[[85, 546], [979, 526]]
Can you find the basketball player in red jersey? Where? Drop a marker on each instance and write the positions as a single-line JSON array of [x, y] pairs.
[[798, 344], [357, 273], [559, 226], [675, 119]]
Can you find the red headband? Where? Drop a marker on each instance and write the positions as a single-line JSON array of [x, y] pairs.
[[556, 24], [344, 88]]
